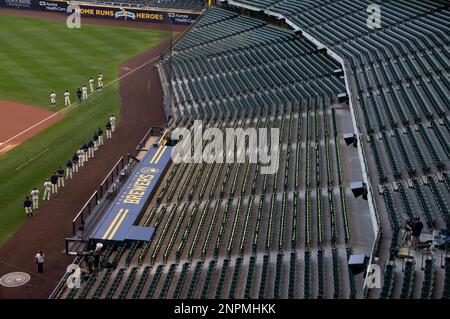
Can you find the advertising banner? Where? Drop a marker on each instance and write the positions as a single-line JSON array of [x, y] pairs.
[[132, 14], [175, 17], [51, 5], [18, 4], [55, 6]]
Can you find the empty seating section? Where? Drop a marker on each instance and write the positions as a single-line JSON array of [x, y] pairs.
[[388, 282], [429, 279], [393, 219], [126, 287], [320, 275], [235, 278], [250, 275], [195, 5], [194, 280], [307, 279], [181, 280], [424, 203], [208, 279], [115, 283], [167, 281], [155, 279], [141, 282], [446, 292], [226, 230], [336, 273], [351, 276], [408, 280], [398, 75], [236, 58], [264, 274], [102, 284]]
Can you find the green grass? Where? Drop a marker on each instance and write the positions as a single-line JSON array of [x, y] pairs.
[[38, 56]]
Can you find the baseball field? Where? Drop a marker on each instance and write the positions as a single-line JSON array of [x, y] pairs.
[[38, 56]]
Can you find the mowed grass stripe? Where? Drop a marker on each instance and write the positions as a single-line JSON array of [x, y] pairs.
[[17, 71], [59, 40], [33, 56], [71, 75], [28, 78], [44, 49], [75, 49]]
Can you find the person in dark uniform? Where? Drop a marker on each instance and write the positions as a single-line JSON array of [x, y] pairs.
[[108, 130], [85, 148], [95, 139], [60, 172], [79, 95], [416, 231], [100, 136], [75, 159], [27, 205], [54, 181], [69, 168], [91, 148]]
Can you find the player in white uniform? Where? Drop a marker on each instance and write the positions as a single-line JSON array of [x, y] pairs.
[[35, 198], [67, 98], [81, 157], [84, 94], [47, 189], [53, 99], [100, 82], [91, 84], [112, 120]]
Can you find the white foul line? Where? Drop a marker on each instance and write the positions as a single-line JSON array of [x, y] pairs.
[[7, 147], [32, 159], [30, 128], [75, 104]]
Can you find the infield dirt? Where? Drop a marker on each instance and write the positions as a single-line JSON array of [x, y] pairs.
[[19, 122]]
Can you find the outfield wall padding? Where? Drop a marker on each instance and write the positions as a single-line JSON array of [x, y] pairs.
[[150, 15]]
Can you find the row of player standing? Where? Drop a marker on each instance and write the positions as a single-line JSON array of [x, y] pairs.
[[79, 158], [82, 93]]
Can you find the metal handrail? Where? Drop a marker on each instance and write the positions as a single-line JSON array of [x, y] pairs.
[[95, 194], [144, 139], [112, 170], [80, 213]]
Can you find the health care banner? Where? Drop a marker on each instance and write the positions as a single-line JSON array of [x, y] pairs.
[[109, 12], [51, 5]]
